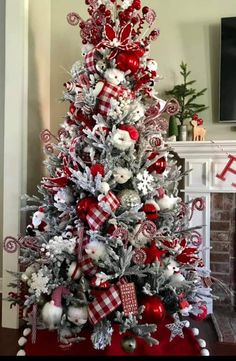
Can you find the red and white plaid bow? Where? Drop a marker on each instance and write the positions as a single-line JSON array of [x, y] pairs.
[[105, 303], [97, 216], [108, 92]]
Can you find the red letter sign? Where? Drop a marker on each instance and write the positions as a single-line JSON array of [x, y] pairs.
[[228, 169]]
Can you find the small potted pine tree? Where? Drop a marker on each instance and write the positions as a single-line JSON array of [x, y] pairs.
[[186, 95]]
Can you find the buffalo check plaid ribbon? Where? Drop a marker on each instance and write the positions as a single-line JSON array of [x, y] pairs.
[[108, 92], [90, 61], [97, 216], [105, 303]]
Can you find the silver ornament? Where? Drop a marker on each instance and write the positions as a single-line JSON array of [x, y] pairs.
[[129, 199], [129, 344]]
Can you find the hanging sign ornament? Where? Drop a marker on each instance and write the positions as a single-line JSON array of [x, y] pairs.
[[228, 168]]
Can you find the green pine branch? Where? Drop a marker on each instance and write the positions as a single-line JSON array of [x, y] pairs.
[[186, 95]]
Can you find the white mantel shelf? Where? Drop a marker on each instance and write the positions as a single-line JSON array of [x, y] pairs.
[[205, 148], [205, 159]]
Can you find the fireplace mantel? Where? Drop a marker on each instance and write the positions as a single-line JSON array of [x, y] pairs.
[[205, 159]]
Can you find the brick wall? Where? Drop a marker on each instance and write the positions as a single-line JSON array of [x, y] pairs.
[[223, 224]]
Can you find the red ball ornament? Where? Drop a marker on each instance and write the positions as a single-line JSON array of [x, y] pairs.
[[202, 315], [159, 166], [127, 61], [154, 309], [72, 108], [140, 51], [97, 169], [84, 205]]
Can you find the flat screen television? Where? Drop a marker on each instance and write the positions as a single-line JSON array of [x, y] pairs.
[[228, 70]]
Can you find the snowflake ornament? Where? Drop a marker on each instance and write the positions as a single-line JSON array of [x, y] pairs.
[[39, 282], [145, 182]]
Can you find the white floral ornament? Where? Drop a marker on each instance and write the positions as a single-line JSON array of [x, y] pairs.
[[137, 113], [57, 245], [114, 76], [39, 283], [122, 140], [122, 175], [95, 250], [145, 182], [167, 202]]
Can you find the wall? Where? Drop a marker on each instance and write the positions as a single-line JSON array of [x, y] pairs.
[[190, 31], [39, 116], [2, 82]]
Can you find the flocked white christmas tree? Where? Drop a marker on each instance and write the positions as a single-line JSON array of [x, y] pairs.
[[109, 243]]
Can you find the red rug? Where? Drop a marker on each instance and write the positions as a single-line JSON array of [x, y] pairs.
[[47, 345]]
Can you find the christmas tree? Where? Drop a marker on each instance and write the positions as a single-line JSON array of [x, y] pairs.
[[109, 252]]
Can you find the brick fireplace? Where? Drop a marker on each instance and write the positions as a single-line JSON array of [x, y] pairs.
[[222, 240], [205, 159]]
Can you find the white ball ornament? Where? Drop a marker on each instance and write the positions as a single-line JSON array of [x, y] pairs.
[[26, 332], [205, 352], [202, 343], [24, 277], [195, 331], [104, 187], [22, 341], [187, 324], [21, 353]]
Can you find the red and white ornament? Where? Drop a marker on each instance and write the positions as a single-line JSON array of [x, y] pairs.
[[121, 140], [84, 206], [158, 166], [202, 314], [128, 61], [151, 209]]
